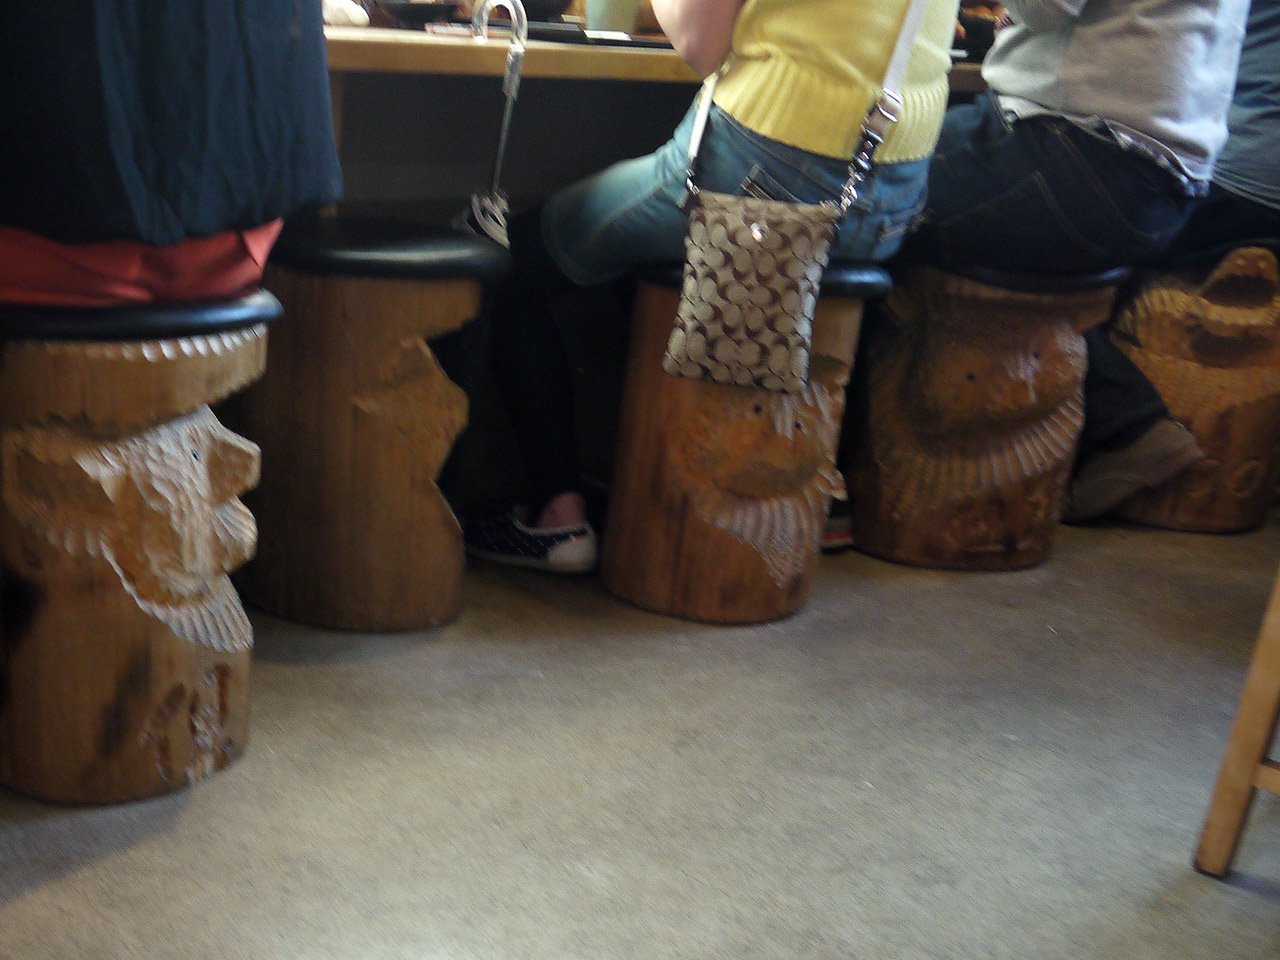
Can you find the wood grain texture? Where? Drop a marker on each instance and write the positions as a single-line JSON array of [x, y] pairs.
[[126, 383], [720, 492], [124, 662], [1245, 764], [967, 421], [1210, 344], [376, 50], [356, 418]]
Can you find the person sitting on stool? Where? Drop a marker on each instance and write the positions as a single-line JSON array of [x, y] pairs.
[[792, 95], [1090, 149], [151, 149], [1129, 442]]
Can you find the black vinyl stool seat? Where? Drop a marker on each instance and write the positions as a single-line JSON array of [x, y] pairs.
[[1046, 283], [865, 281], [367, 246], [161, 321]]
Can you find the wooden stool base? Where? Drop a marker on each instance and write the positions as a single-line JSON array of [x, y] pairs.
[[1211, 347], [967, 423], [720, 493], [355, 419], [124, 667]]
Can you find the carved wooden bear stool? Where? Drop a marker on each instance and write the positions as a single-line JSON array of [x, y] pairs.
[[124, 658], [967, 416], [356, 418], [1207, 335], [720, 492]]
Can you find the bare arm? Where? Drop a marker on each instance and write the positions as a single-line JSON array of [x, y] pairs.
[[700, 30]]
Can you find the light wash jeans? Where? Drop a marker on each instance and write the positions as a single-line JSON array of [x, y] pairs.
[[599, 228]]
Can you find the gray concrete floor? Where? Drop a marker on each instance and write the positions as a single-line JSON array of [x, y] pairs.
[[918, 765]]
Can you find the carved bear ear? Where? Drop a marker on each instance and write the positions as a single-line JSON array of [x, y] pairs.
[[1248, 274], [66, 476], [1241, 296], [234, 463]]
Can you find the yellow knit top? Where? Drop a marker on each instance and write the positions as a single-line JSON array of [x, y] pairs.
[[805, 72]]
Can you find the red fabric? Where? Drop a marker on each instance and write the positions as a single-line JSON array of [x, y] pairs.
[[37, 271]]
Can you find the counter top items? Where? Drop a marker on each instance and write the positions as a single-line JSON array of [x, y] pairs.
[[641, 59], [617, 16], [345, 13], [576, 33], [541, 10], [415, 14], [976, 26]]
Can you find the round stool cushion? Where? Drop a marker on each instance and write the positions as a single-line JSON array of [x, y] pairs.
[[865, 281], [362, 246], [1043, 283], [145, 322]]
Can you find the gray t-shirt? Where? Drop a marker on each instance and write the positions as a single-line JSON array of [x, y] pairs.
[[1156, 74]]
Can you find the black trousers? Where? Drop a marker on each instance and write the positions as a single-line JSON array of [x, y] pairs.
[[531, 364]]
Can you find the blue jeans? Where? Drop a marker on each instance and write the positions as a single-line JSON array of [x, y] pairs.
[[1223, 220], [601, 227]]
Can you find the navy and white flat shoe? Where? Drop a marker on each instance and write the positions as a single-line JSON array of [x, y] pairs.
[[504, 538]]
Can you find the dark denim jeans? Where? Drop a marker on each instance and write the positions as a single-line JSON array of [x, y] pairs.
[[1045, 196], [1042, 195], [1222, 220]]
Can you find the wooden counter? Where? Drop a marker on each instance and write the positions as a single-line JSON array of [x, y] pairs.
[[375, 50]]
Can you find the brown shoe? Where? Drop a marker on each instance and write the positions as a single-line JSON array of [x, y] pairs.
[[1109, 478]]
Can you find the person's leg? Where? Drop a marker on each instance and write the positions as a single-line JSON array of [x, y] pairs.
[[531, 368], [1120, 404], [533, 379], [599, 228], [585, 235], [1222, 219], [1128, 441], [1045, 196]]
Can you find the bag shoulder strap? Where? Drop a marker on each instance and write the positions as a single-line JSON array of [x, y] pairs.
[[883, 114]]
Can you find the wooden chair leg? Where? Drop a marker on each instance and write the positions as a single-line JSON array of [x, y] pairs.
[[1245, 766]]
